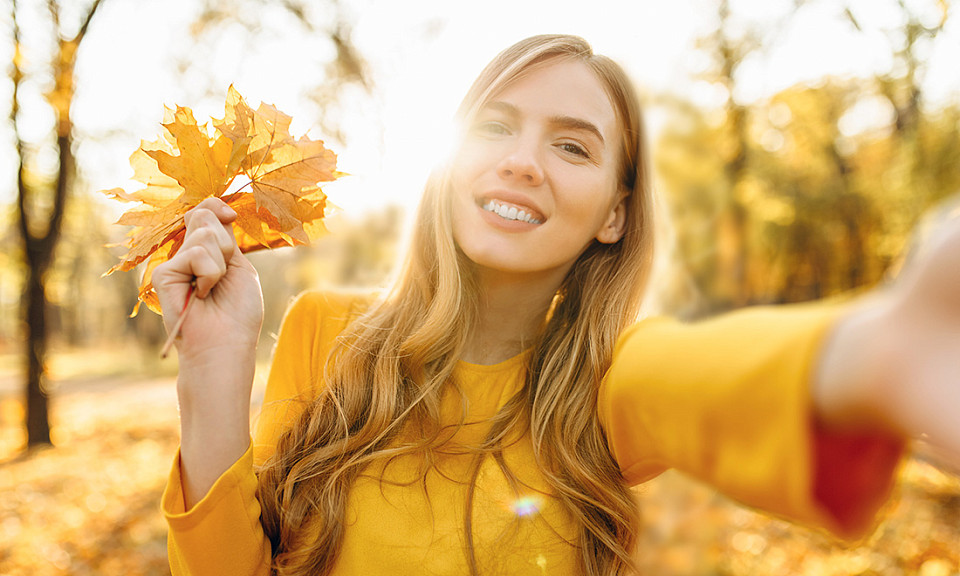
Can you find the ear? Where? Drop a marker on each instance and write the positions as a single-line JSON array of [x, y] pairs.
[[613, 229]]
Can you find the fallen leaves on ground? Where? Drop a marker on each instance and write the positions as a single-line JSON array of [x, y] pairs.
[[248, 159], [690, 530], [89, 505]]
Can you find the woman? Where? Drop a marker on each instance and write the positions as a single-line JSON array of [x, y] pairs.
[[490, 412]]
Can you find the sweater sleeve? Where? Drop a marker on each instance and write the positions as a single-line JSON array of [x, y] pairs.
[[727, 400], [222, 533]]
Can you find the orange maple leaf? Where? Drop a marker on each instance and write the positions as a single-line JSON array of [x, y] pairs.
[[281, 204]]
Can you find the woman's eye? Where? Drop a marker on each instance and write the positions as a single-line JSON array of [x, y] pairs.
[[496, 128], [574, 149]]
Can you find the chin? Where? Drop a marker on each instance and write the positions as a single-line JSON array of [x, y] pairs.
[[514, 265]]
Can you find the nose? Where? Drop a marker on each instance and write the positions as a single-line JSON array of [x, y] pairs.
[[522, 163]]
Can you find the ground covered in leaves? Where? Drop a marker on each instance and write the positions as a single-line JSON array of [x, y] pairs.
[[690, 530], [90, 504]]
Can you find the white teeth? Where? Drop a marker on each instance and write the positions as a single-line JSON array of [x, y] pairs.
[[509, 212]]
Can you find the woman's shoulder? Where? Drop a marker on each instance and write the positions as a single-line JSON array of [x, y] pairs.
[[333, 302], [310, 327], [332, 309]]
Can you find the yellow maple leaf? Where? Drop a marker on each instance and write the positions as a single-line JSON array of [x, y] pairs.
[[201, 165], [282, 204]]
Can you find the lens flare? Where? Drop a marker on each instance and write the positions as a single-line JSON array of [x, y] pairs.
[[526, 506]]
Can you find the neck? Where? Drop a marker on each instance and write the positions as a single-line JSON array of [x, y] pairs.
[[512, 308]]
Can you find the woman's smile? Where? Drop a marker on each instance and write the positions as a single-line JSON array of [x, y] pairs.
[[506, 206], [511, 212]]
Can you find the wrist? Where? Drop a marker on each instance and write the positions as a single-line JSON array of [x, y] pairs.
[[214, 387], [204, 458], [222, 357]]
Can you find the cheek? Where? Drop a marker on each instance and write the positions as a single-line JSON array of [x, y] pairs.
[[590, 201], [458, 198], [461, 177], [467, 169], [467, 158], [458, 202], [474, 159]]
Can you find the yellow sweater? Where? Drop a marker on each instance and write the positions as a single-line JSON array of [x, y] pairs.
[[724, 400]]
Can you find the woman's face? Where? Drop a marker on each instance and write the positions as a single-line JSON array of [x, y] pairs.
[[535, 178]]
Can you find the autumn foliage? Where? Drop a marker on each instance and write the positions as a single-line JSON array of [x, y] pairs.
[[248, 159]]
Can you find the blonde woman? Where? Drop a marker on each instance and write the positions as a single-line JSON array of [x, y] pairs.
[[489, 414]]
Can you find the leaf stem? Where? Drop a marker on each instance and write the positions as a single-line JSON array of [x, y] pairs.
[[176, 327]]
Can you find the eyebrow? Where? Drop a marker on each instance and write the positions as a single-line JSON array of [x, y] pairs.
[[563, 121]]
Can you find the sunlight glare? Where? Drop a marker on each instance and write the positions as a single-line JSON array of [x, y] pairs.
[[526, 505]]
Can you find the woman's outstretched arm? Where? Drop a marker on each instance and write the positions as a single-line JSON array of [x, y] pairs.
[[893, 362]]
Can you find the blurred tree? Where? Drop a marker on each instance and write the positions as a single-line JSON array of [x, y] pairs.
[[10, 289], [812, 191], [728, 46], [916, 165], [341, 73], [41, 204], [369, 249], [805, 165], [88, 308], [902, 84], [56, 290]]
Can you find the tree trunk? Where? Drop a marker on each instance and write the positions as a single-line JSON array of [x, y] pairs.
[[39, 250], [39, 242], [35, 303]]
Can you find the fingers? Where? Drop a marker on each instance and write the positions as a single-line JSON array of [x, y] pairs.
[[209, 224], [208, 247], [216, 206], [209, 243], [206, 268]]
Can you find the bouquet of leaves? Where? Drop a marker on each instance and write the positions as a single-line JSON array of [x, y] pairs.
[[248, 159]]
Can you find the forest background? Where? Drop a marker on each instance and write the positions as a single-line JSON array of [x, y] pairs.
[[799, 148]]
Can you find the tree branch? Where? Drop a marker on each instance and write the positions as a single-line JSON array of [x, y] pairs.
[[86, 21], [64, 139], [17, 78], [54, 10]]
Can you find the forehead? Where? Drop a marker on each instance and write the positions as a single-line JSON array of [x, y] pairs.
[[562, 88]]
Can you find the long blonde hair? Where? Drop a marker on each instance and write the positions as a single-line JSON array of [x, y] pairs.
[[389, 367]]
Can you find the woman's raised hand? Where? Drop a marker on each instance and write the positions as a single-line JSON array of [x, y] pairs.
[[229, 307], [925, 396], [216, 346]]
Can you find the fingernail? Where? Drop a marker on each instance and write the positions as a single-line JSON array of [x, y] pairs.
[[228, 211]]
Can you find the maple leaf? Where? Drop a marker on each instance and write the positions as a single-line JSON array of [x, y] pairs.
[[281, 204], [200, 168]]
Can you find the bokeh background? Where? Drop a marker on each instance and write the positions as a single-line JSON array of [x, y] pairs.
[[799, 146]]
